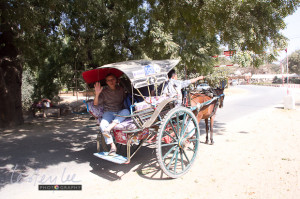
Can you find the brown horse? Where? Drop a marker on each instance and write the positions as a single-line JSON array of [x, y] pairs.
[[208, 111]]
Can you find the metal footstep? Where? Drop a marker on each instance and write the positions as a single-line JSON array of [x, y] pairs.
[[112, 158]]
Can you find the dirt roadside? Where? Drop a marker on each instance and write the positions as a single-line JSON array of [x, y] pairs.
[[257, 156]]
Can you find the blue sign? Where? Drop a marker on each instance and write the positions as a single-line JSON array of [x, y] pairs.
[[149, 70]]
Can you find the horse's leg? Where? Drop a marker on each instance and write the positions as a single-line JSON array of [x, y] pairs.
[[212, 129], [206, 128]]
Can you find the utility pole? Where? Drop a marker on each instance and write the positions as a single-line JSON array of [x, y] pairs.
[[287, 67], [282, 71]]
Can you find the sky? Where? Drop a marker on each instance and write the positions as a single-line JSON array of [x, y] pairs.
[[292, 32]]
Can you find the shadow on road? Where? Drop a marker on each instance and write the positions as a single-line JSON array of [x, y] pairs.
[[42, 143], [219, 127], [48, 142]]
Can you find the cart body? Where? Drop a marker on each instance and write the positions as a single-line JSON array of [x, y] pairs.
[[155, 119]]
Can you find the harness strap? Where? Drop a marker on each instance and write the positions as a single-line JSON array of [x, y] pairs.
[[216, 105], [216, 98], [215, 108]]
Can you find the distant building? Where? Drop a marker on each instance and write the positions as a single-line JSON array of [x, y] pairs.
[[268, 78]]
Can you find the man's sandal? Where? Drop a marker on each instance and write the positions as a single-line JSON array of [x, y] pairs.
[[112, 152]]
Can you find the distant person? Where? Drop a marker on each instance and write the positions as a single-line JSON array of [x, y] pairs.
[[40, 105], [112, 100]]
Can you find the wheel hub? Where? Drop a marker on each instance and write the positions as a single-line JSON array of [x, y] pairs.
[[183, 143]]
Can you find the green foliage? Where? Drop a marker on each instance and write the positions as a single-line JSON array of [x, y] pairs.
[[249, 58], [277, 80], [47, 85], [249, 25], [218, 75], [28, 82], [213, 78], [56, 37], [294, 81], [243, 58], [275, 68], [294, 62]]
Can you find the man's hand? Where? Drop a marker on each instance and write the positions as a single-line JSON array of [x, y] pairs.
[[200, 77], [196, 79], [98, 88]]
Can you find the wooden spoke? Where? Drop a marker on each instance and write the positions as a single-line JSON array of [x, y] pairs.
[[175, 130], [170, 136], [168, 152], [182, 165], [182, 126], [183, 130], [177, 121], [175, 163], [170, 144], [176, 151], [185, 156], [189, 132]]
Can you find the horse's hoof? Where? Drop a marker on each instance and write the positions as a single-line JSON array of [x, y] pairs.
[[212, 142], [206, 142]]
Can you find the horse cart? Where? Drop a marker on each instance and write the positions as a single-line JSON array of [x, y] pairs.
[[154, 118]]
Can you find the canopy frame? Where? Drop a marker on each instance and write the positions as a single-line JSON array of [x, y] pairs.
[[140, 72]]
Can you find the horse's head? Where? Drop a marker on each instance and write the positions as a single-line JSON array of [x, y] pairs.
[[220, 91]]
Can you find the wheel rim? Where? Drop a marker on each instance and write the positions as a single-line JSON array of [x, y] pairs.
[[177, 143]]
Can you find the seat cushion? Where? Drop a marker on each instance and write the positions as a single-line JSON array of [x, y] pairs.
[[95, 111], [152, 101], [122, 138], [127, 124]]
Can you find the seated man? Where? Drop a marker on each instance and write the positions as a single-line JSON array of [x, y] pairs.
[[173, 86], [112, 100]]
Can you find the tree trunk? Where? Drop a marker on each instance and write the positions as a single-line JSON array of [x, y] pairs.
[[10, 82]]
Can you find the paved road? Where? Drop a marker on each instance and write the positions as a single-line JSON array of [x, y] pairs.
[[59, 151], [254, 98]]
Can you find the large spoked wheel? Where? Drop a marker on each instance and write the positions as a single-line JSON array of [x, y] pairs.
[[177, 142]]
